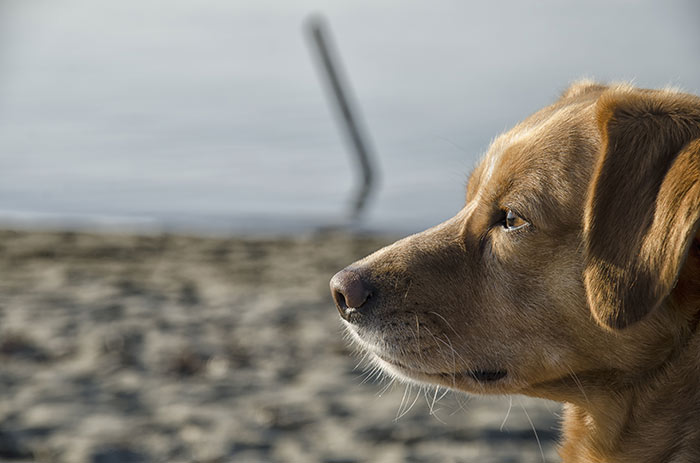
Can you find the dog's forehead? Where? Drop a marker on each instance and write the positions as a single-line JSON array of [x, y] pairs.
[[544, 149]]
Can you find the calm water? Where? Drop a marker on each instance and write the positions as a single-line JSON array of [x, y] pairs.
[[210, 115]]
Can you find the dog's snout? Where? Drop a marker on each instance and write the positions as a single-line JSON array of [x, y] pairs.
[[350, 292]]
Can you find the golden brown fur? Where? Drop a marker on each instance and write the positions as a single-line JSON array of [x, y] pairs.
[[595, 303]]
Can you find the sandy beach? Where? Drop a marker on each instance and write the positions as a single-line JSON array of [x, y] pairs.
[[161, 348]]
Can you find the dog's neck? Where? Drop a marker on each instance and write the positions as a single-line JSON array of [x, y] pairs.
[[622, 417], [638, 422], [621, 421]]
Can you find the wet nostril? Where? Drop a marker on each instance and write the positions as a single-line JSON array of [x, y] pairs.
[[339, 299], [350, 292]]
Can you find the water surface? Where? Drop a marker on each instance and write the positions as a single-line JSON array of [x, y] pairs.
[[210, 115]]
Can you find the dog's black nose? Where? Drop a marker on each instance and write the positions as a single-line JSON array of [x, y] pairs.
[[350, 292]]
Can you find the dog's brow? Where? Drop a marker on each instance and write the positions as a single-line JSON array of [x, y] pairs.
[[491, 160], [470, 207]]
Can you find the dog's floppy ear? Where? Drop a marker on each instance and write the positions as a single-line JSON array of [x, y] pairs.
[[643, 203]]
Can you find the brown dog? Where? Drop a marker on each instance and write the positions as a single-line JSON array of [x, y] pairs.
[[572, 273]]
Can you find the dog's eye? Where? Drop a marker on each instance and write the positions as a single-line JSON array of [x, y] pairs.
[[513, 221]]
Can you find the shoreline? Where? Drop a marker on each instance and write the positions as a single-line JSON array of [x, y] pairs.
[[212, 226]]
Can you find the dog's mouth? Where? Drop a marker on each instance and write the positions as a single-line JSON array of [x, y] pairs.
[[487, 376], [480, 376]]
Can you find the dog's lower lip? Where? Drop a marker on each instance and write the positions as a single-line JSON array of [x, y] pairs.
[[482, 376]]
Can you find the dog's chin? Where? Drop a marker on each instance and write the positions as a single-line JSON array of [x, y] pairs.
[[478, 381], [475, 380]]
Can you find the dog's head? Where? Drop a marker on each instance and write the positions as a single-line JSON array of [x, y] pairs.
[[561, 266]]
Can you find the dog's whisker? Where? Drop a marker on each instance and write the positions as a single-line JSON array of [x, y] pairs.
[[408, 409], [391, 382], [414, 400], [578, 383], [448, 344], [436, 399], [443, 394], [366, 375], [425, 391], [432, 404], [454, 362], [461, 406], [510, 406], [449, 325], [365, 355], [403, 401], [439, 343], [418, 347], [537, 438], [433, 411]]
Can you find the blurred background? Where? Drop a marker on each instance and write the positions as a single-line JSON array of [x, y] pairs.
[[174, 190]]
